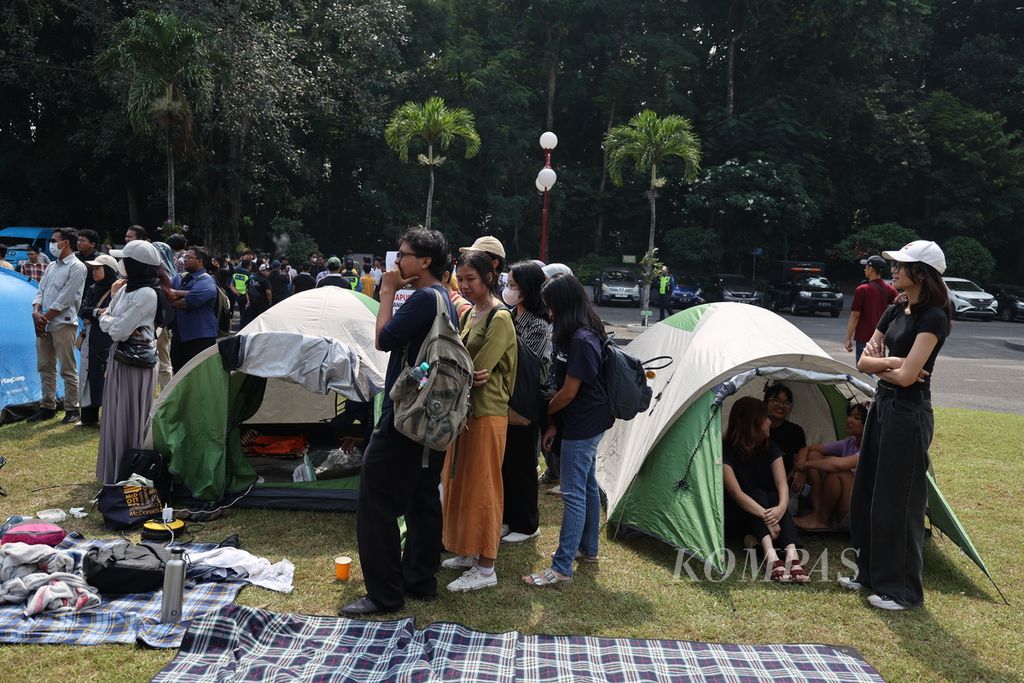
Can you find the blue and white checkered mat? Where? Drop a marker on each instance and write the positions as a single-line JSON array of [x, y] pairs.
[[239, 643], [120, 618]]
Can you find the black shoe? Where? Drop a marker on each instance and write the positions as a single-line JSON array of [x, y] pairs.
[[363, 607], [70, 417], [42, 414]]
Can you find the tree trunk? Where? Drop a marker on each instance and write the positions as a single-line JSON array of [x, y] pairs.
[[552, 81], [430, 192], [599, 230], [652, 196], [170, 178], [730, 77], [133, 205]]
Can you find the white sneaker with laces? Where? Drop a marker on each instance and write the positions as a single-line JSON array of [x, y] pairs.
[[473, 580], [885, 602], [516, 537], [850, 583], [459, 562], [504, 530], [555, 490]]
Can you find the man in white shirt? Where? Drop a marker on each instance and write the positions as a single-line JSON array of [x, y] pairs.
[[55, 314]]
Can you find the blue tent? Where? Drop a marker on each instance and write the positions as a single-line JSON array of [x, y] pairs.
[[20, 389]]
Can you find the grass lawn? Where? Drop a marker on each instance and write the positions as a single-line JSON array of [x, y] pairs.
[[964, 632]]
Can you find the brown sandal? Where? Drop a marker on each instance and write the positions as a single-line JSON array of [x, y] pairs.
[[779, 572], [798, 574]]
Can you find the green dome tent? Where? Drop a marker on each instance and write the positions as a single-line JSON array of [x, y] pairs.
[[296, 365], [662, 471]]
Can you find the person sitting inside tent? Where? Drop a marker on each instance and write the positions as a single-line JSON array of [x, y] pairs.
[[757, 495], [788, 436], [829, 469]]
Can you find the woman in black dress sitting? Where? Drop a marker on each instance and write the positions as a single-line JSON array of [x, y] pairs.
[[757, 493]]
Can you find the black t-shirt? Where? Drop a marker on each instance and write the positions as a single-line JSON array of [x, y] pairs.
[[409, 326], [258, 293], [588, 414], [303, 282], [334, 280], [901, 329], [279, 283], [790, 438], [756, 472]]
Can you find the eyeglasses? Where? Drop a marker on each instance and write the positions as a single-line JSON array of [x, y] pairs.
[[775, 400], [895, 266], [403, 254]]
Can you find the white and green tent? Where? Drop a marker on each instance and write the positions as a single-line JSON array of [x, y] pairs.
[[662, 471], [293, 368]]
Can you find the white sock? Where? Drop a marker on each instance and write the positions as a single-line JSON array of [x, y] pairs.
[[486, 571]]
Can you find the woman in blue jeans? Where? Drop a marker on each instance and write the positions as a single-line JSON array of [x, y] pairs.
[[579, 413]]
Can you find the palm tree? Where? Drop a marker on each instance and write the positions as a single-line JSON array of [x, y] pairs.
[[647, 142], [434, 124], [164, 59]]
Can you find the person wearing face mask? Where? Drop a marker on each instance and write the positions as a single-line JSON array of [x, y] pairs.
[[522, 442], [95, 343], [55, 314]]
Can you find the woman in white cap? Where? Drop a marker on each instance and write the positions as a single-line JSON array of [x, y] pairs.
[[136, 312], [890, 494]]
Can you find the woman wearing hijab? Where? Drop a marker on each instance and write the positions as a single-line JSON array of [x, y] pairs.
[[95, 343], [134, 314], [165, 369]]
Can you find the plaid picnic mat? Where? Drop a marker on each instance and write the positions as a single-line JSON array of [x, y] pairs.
[[120, 618], [238, 643]]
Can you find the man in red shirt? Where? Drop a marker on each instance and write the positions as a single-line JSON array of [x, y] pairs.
[[869, 302]]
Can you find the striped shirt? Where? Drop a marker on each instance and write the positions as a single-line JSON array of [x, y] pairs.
[[535, 333]]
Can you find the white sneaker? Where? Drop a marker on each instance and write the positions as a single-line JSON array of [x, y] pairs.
[[885, 602], [473, 580], [516, 537], [850, 583], [504, 530], [555, 490], [459, 562]]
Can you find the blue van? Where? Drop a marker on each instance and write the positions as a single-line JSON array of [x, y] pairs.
[[19, 239]]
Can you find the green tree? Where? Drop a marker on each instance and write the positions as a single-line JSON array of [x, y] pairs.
[[695, 248], [433, 123], [647, 142], [967, 257], [873, 239], [166, 62]]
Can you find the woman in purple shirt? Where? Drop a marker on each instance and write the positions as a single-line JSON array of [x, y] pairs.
[[829, 469]]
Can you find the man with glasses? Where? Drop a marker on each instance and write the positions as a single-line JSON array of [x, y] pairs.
[[194, 295], [869, 303], [396, 480], [55, 314]]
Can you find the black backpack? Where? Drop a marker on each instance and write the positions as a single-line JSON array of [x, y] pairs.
[[624, 381], [126, 568], [526, 399]]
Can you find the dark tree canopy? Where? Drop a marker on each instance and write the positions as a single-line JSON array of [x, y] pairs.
[[821, 122]]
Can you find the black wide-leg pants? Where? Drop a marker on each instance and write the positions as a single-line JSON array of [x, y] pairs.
[[890, 494]]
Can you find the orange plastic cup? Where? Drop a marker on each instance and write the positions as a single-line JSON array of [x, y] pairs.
[[342, 566]]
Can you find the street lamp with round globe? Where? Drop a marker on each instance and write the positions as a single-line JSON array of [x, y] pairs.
[[545, 180], [548, 141]]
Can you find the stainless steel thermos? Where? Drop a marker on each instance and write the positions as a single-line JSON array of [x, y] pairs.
[[174, 587]]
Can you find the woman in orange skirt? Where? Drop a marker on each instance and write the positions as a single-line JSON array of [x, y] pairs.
[[473, 500]]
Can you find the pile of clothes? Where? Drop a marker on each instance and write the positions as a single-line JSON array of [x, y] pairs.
[[47, 580]]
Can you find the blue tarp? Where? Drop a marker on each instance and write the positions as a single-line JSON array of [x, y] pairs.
[[19, 379]]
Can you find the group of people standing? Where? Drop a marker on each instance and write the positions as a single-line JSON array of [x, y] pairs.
[[488, 477]]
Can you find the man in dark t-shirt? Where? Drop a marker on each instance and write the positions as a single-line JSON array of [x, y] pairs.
[[304, 280], [280, 283], [394, 480]]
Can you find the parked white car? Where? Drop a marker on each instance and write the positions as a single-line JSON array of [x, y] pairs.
[[970, 300]]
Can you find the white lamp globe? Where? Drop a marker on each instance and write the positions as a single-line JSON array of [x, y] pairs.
[[546, 178], [548, 140], [540, 188]]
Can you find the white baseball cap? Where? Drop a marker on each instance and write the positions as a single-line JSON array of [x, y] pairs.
[[923, 251], [140, 250]]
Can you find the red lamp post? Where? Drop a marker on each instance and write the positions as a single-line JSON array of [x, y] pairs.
[[545, 180]]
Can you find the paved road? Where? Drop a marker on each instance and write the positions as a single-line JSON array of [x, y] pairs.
[[975, 369]]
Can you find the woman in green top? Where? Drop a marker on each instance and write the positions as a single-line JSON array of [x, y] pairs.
[[473, 499]]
